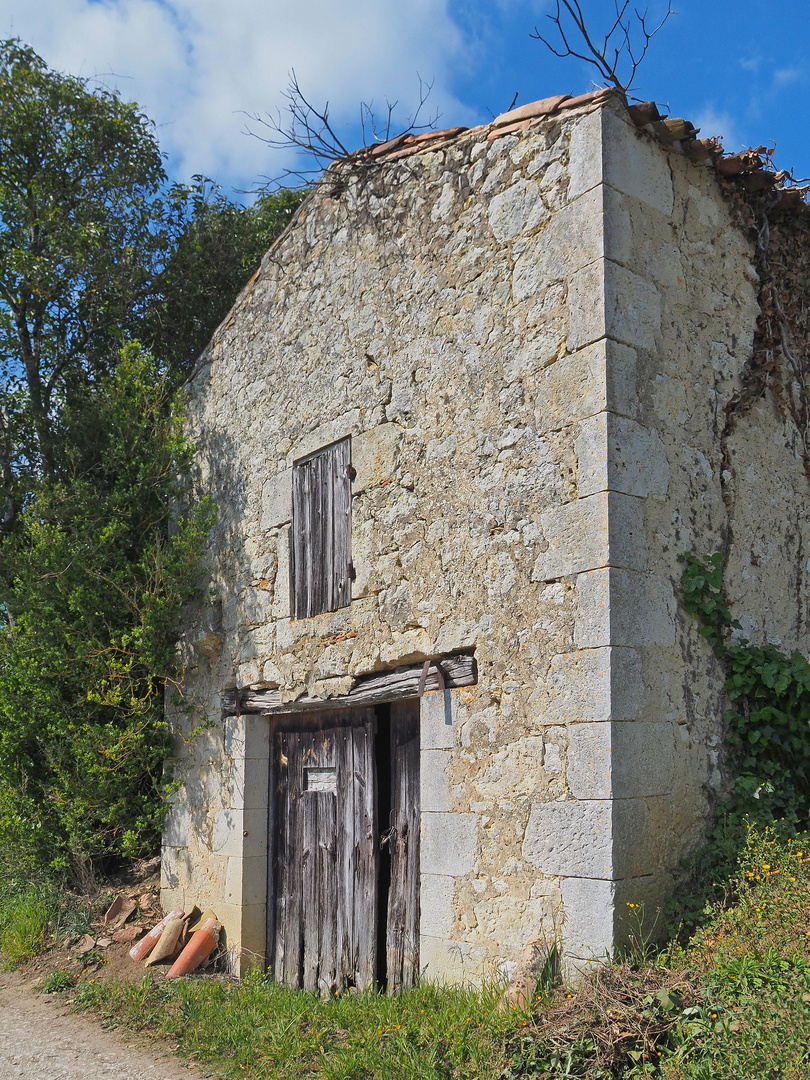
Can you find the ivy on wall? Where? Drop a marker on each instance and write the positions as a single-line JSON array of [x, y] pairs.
[[779, 365], [768, 716]]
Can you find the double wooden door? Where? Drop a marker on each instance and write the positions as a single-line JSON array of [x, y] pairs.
[[344, 883]]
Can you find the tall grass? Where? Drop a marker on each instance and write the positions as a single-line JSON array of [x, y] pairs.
[[33, 916]]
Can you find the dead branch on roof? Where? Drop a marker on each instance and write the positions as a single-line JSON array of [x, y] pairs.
[[308, 129], [622, 49]]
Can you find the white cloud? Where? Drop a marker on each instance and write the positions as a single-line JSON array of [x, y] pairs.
[[787, 76], [197, 66], [714, 122]]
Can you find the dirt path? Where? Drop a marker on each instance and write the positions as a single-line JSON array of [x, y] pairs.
[[40, 1039]]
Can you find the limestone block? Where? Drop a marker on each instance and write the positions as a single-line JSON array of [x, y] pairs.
[[572, 239], [374, 456], [228, 828], [514, 770], [588, 930], [254, 832], [635, 165], [620, 761], [437, 716], [246, 880], [571, 388], [456, 634], [246, 784], [605, 299], [571, 839], [326, 433], [175, 868], [253, 935], [236, 736], [634, 852], [281, 607], [589, 774], [617, 453], [230, 915], [592, 626], [434, 784], [577, 688], [277, 500], [437, 916], [585, 167], [588, 533], [643, 759], [177, 826], [516, 210], [624, 608], [449, 843], [632, 307], [452, 962], [510, 921]]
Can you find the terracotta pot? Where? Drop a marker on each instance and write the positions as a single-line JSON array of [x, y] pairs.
[[166, 948], [201, 944], [141, 949]]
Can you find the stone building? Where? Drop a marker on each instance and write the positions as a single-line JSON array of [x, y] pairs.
[[459, 427]]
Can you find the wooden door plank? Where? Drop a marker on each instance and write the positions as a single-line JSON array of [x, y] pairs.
[[402, 933], [345, 929], [366, 852], [327, 912]]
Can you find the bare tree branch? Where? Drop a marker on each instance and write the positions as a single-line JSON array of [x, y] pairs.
[[303, 127], [619, 55]]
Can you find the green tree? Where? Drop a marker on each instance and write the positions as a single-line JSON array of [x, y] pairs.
[[216, 245], [96, 586], [96, 249], [81, 235]]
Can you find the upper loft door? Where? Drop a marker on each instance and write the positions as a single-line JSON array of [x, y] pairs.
[[325, 866], [321, 531]]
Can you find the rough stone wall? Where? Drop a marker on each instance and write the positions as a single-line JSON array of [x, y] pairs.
[[529, 340]]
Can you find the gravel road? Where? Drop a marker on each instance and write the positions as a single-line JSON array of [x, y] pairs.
[[41, 1039]]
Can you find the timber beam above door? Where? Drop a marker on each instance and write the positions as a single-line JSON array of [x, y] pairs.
[[405, 682]]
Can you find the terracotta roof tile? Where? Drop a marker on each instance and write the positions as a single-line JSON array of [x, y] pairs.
[[508, 129], [593, 98], [747, 169], [527, 112]]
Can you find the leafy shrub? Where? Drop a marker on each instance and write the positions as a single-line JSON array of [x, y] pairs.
[[92, 587], [766, 734]]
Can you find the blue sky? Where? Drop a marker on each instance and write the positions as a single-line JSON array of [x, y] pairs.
[[200, 68]]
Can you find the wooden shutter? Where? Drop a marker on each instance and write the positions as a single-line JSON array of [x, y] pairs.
[[322, 531]]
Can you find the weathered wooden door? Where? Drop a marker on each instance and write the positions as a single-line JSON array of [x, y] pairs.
[[402, 927], [325, 866]]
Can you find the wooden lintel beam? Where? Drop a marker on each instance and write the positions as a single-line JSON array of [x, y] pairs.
[[450, 671]]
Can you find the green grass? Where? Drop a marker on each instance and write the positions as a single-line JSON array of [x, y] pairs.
[[731, 1003], [264, 1030], [33, 915], [752, 962], [26, 915]]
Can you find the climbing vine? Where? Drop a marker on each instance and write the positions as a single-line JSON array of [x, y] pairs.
[[768, 716], [779, 365]]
